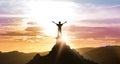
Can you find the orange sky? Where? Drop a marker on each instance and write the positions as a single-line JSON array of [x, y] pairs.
[[27, 26]]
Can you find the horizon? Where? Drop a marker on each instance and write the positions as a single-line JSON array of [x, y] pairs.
[[46, 52], [26, 25]]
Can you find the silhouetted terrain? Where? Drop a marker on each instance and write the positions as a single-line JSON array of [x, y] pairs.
[[103, 55], [16, 57], [61, 54]]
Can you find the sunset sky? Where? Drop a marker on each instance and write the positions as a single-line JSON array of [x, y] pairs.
[[26, 25]]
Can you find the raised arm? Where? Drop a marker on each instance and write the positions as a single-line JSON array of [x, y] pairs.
[[64, 22], [54, 22]]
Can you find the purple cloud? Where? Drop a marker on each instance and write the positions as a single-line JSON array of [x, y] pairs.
[[95, 32], [102, 22]]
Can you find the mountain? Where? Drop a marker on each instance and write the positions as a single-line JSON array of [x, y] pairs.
[[61, 54], [16, 57], [103, 55], [84, 50]]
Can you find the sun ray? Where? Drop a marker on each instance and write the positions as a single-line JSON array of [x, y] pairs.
[[43, 12]]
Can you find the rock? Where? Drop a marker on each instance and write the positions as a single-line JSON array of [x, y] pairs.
[[60, 54]]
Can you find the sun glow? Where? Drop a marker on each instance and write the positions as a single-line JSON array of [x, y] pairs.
[[67, 40], [51, 10], [44, 12]]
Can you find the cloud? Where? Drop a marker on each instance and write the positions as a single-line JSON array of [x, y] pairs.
[[14, 33], [12, 24], [89, 14], [95, 32], [92, 15], [29, 31], [113, 22], [32, 23], [34, 29], [18, 33], [90, 11], [83, 9], [97, 2], [12, 6]]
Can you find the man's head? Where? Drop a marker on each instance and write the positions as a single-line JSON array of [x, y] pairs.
[[59, 22]]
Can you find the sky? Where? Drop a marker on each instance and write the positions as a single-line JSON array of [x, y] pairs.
[[26, 25]]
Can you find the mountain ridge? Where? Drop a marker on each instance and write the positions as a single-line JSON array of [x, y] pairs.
[[5, 58], [60, 54]]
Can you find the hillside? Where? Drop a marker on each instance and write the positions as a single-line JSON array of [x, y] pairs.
[[61, 54], [102, 55], [16, 57]]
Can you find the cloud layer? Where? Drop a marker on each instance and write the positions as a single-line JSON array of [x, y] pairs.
[[93, 21], [95, 32]]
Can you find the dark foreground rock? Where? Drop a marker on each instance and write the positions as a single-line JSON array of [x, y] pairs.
[[60, 54]]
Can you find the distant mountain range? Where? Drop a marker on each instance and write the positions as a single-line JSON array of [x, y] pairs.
[[16, 57], [102, 55]]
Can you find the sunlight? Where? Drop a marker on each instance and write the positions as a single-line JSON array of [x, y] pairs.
[[67, 40], [44, 12], [51, 10]]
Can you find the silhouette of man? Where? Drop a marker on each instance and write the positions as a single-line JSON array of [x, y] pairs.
[[59, 24]]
